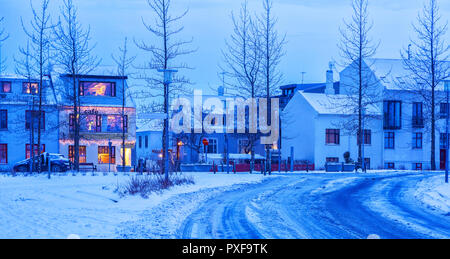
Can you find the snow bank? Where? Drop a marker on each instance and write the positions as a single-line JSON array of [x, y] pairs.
[[434, 193], [35, 207]]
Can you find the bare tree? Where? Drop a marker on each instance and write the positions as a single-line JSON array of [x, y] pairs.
[[164, 56], [123, 62], [426, 64], [3, 37], [356, 48], [25, 68], [243, 62], [40, 40], [272, 51], [74, 58]]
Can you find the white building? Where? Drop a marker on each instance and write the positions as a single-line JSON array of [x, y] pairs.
[[396, 136], [18, 99]]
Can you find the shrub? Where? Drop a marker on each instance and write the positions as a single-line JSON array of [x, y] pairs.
[[144, 185]]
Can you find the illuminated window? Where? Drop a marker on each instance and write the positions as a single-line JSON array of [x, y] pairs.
[[97, 89], [103, 155], [3, 153], [81, 155], [90, 123], [28, 151], [115, 124], [31, 119], [30, 88], [127, 156], [5, 87]]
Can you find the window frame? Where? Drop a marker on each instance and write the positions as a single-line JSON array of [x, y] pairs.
[[387, 107], [332, 159], [5, 119], [214, 147], [367, 137], [416, 139], [388, 137], [2, 87], [417, 115], [81, 88], [30, 84], [105, 150], [28, 150], [4, 146], [332, 137], [71, 153], [28, 123]]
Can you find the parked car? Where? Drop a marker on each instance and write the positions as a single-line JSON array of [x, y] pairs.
[[58, 163]]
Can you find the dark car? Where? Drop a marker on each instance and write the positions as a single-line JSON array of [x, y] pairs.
[[57, 161]]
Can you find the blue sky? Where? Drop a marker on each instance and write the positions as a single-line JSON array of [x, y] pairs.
[[311, 27]]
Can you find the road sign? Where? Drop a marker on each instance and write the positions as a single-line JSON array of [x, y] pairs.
[[205, 142]]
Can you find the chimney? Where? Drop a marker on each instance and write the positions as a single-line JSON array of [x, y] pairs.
[[329, 89]]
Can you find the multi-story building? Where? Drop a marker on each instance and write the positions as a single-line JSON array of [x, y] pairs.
[[19, 115], [396, 135], [101, 99]]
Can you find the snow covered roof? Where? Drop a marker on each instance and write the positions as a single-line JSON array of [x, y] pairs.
[[144, 125], [330, 104], [392, 72]]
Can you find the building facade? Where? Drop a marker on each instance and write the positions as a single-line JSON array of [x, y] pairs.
[[101, 122], [396, 135], [19, 117]]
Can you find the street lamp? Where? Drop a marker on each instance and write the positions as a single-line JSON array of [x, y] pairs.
[[168, 76], [447, 90]]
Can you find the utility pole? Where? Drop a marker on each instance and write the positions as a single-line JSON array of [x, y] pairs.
[[227, 151]]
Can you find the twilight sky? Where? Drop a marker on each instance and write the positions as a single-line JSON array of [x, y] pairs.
[[311, 27]]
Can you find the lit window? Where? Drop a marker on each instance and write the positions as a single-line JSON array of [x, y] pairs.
[[30, 88], [28, 151], [97, 89], [81, 155], [115, 124], [5, 87], [91, 123], [103, 155]]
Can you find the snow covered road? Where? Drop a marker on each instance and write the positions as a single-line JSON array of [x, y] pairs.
[[319, 206]]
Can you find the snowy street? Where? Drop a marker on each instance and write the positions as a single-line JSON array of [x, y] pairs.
[[320, 206], [314, 205]]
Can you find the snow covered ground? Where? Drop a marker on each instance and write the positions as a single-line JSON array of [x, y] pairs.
[[85, 206], [435, 194]]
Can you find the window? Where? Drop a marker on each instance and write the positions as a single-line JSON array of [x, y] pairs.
[[367, 137], [3, 119], [146, 141], [115, 124], [332, 159], [417, 115], [417, 140], [91, 123], [389, 166], [243, 146], [28, 151], [332, 137], [32, 117], [443, 110], [97, 89], [212, 146], [5, 87], [82, 154], [104, 154], [417, 166], [30, 88], [140, 141], [389, 140], [443, 141], [3, 153], [392, 114]]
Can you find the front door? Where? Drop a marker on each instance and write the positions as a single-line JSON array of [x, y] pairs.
[[443, 158]]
